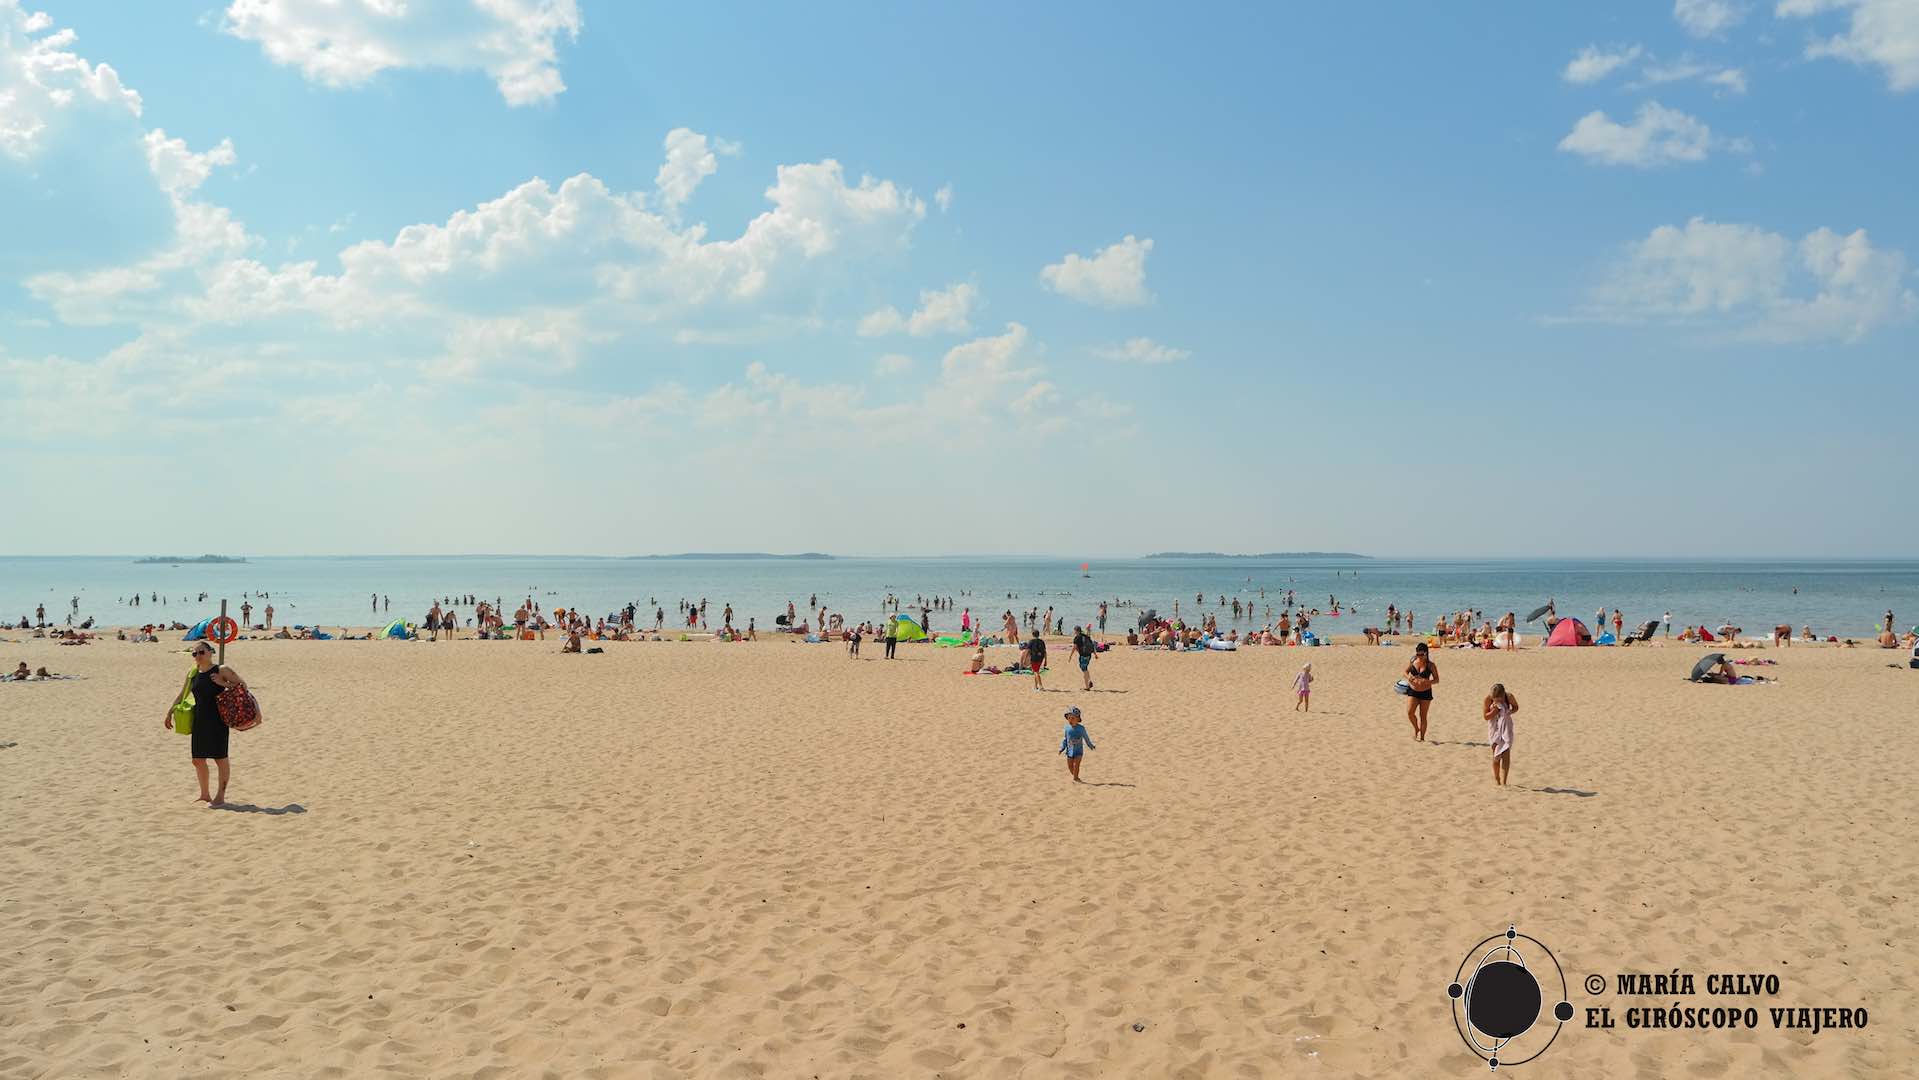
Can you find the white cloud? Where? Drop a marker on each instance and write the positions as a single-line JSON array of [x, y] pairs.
[[943, 198], [41, 76], [539, 342], [1658, 136], [347, 42], [1881, 32], [1731, 80], [1708, 18], [1594, 63], [1114, 277], [1759, 285], [1658, 73], [690, 159], [942, 311], [534, 247], [1141, 350], [178, 170], [893, 364]]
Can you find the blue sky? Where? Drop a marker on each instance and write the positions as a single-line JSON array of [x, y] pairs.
[[543, 276]]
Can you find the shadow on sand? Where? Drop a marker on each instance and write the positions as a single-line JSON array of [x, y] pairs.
[[249, 808], [1566, 791]]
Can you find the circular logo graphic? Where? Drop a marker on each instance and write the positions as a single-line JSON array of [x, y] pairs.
[[1496, 997]]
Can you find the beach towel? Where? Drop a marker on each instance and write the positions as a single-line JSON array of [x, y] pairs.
[[1499, 730]]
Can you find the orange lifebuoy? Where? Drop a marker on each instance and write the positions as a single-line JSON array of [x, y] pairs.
[[223, 631]]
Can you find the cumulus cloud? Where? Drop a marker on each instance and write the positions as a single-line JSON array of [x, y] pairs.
[[1708, 18], [1114, 277], [690, 159], [535, 246], [1594, 63], [941, 311], [41, 76], [178, 170], [893, 364], [1884, 33], [342, 43], [1142, 350], [943, 198], [1657, 136], [1759, 285]]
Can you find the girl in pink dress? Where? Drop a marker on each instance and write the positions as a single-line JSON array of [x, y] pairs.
[[1499, 709], [1303, 689]]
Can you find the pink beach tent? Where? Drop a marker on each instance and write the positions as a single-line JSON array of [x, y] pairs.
[[1569, 632]]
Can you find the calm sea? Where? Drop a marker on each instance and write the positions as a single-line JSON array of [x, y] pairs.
[[1841, 597]]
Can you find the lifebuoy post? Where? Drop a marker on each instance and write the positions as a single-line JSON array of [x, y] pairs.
[[223, 645]]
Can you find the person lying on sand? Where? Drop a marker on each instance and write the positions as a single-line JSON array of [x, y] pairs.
[[20, 673]]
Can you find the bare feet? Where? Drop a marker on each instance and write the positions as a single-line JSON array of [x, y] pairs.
[[203, 797]]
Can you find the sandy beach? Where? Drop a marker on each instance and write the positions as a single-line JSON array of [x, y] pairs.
[[701, 859]]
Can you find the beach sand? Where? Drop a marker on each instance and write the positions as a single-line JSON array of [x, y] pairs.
[[700, 859]]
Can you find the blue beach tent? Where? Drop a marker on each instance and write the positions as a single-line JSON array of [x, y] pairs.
[[199, 631]]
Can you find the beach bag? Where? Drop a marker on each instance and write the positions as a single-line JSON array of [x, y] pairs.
[[183, 709], [238, 708]]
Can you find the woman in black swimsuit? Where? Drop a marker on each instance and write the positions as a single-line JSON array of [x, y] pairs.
[[1421, 674], [209, 733]]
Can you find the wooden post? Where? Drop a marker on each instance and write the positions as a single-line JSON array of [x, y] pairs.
[[223, 645]]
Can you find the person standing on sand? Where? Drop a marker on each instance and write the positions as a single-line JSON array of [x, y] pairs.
[[1498, 709], [1506, 629], [246, 612], [269, 615], [1036, 656], [1303, 689], [1421, 674], [209, 735], [1084, 647], [1074, 742], [892, 634], [1618, 625]]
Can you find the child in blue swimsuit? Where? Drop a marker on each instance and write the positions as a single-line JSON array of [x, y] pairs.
[[1075, 742]]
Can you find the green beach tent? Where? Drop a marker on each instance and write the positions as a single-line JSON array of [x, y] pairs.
[[907, 630], [395, 630]]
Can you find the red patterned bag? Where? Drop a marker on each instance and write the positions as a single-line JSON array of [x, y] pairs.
[[238, 708]]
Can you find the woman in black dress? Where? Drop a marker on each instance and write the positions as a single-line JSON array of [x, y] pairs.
[[209, 735]]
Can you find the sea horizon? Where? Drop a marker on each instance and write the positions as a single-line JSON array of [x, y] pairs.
[[1845, 596]]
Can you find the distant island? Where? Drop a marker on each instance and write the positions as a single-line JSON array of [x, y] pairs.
[[813, 555], [1267, 555], [178, 560]]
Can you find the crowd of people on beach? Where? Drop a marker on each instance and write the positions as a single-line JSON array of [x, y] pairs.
[[1025, 629]]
